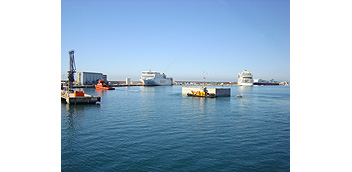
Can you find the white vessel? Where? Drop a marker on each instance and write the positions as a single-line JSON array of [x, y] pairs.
[[153, 78], [245, 78], [264, 82]]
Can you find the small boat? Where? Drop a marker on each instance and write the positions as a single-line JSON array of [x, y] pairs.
[[204, 94], [103, 86], [239, 96]]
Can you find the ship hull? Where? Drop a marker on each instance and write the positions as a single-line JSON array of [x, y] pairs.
[[104, 88], [258, 83], [207, 96], [245, 84], [151, 82]]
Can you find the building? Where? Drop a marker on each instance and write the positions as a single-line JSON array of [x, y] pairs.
[[128, 81], [90, 78]]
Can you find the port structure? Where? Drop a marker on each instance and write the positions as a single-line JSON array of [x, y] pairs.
[[75, 97], [72, 71]]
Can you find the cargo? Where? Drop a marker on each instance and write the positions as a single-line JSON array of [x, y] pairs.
[[78, 93]]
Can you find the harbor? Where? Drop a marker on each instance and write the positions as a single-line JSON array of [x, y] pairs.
[[160, 113], [148, 78], [175, 86], [158, 125], [71, 96]]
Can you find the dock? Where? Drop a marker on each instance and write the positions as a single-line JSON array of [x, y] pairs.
[[219, 92], [70, 98]]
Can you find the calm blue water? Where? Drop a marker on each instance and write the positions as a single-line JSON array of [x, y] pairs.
[[159, 129]]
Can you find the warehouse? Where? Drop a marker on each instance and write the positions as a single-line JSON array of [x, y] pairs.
[[90, 78]]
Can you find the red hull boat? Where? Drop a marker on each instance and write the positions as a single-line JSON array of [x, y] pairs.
[[103, 86]]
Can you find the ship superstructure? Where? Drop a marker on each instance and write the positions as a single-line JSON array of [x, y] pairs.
[[245, 78], [153, 78]]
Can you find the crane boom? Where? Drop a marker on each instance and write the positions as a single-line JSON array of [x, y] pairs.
[[72, 61], [72, 70]]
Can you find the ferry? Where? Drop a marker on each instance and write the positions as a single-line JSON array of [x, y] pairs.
[[264, 82], [245, 78], [153, 78], [103, 86]]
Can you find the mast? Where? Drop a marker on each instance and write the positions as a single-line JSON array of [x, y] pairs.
[[204, 78], [203, 81]]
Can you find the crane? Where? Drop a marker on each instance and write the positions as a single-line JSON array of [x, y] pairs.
[[71, 71]]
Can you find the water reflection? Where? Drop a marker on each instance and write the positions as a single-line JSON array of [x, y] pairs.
[[156, 89], [198, 105], [100, 92], [245, 88], [70, 124], [148, 89], [73, 113], [221, 103], [243, 104]]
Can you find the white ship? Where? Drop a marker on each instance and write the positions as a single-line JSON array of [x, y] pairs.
[[245, 78], [264, 82], [153, 78]]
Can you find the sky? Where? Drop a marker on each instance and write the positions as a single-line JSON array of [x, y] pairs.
[[186, 40]]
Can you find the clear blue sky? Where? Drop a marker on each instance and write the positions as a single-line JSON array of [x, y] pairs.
[[181, 38]]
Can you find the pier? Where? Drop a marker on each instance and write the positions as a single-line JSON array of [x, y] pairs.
[[75, 97], [70, 98]]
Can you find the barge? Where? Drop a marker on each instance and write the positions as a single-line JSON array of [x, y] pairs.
[[78, 97]]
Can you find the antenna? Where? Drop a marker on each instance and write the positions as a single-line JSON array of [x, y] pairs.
[[204, 78]]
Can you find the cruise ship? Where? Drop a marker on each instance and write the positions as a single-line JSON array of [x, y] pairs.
[[245, 78], [153, 78]]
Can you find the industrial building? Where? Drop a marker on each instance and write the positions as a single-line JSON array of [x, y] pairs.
[[128, 81], [90, 78]]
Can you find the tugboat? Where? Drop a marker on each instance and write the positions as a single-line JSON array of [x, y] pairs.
[[103, 86], [203, 93]]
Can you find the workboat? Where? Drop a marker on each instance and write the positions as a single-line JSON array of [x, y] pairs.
[[103, 86], [153, 78], [204, 94]]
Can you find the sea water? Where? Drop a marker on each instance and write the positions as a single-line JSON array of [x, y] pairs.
[[159, 129]]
